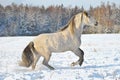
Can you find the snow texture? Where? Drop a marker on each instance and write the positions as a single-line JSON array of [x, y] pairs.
[[102, 60]]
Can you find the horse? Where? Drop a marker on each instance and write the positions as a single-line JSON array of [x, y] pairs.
[[66, 39]]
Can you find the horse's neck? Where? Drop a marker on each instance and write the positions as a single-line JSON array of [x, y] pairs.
[[81, 24], [79, 31], [81, 28]]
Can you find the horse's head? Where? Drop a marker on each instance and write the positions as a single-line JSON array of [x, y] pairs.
[[88, 20], [82, 19]]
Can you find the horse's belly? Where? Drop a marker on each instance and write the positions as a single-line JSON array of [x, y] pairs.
[[65, 46]]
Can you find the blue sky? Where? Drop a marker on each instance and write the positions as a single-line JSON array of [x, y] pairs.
[[72, 3]]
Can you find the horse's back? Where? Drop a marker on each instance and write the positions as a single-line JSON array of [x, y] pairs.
[[55, 42], [50, 41]]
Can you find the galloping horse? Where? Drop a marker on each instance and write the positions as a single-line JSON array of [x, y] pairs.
[[67, 39]]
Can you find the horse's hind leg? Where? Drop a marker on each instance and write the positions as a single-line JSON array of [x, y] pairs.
[[80, 54], [36, 58], [45, 62]]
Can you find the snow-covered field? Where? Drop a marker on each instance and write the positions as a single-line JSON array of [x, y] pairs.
[[102, 60]]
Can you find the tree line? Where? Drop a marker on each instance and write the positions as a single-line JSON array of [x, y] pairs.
[[108, 16], [26, 20]]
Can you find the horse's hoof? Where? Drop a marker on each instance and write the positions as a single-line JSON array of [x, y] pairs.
[[33, 67], [81, 63], [73, 64], [52, 68]]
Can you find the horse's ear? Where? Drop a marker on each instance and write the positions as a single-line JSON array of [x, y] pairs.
[[84, 12]]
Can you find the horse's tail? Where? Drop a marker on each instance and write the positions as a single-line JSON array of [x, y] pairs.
[[28, 55]]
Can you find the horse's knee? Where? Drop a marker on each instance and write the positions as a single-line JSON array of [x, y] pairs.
[[81, 51], [46, 59]]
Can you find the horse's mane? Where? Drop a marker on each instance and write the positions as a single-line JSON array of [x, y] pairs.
[[71, 22], [67, 25]]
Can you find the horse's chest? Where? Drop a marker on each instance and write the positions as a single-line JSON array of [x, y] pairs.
[[76, 43]]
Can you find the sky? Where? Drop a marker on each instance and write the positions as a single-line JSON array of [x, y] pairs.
[[85, 3]]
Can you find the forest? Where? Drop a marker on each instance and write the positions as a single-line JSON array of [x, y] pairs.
[[27, 20]]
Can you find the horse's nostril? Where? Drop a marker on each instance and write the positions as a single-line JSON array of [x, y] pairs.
[[96, 23]]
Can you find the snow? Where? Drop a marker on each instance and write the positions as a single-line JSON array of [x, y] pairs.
[[102, 60]]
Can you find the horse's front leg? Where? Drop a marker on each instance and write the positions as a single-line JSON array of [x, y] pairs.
[[80, 54]]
